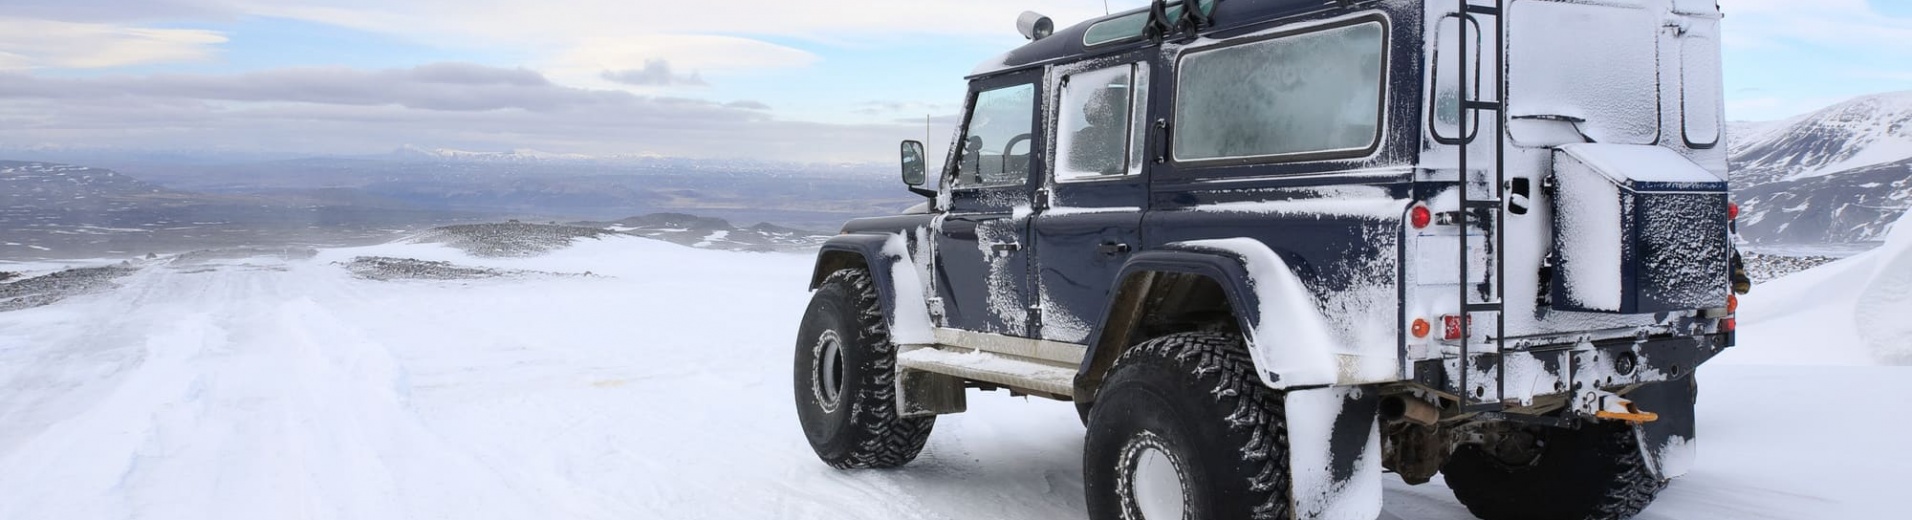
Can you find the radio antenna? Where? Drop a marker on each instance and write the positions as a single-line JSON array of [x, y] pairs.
[[1105, 7]]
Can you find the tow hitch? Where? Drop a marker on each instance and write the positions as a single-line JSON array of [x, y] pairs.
[[1605, 405]]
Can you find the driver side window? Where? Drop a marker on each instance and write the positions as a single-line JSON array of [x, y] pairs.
[[996, 150]]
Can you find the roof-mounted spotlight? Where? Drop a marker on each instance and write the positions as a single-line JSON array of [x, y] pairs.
[[1034, 25]]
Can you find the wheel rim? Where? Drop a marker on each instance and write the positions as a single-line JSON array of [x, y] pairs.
[[1152, 480], [826, 374]]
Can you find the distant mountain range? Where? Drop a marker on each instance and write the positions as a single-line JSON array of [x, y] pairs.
[[63, 211], [53, 210], [519, 155], [1839, 175], [715, 233], [528, 183]]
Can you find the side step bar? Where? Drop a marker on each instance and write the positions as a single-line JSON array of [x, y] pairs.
[[1046, 368], [1036, 376]]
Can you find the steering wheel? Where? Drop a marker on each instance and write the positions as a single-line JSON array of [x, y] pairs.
[[1010, 146]]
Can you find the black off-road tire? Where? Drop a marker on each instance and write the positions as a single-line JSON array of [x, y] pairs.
[[1594, 473], [1194, 401], [856, 426]]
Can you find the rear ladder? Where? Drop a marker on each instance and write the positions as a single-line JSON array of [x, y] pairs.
[[1487, 213]]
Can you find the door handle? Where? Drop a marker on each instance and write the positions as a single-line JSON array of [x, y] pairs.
[[1004, 247], [1112, 248]]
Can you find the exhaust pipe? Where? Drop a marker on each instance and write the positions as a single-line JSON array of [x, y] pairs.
[[1403, 407]]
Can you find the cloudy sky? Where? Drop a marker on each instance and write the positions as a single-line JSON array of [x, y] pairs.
[[804, 80]]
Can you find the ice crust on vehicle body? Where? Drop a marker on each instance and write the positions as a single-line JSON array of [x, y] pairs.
[[1638, 229]]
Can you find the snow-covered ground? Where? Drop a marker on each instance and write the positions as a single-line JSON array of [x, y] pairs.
[[659, 387]]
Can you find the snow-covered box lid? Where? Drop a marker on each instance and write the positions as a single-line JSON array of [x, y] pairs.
[[1644, 167]]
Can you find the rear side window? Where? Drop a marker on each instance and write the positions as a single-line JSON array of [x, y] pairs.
[[995, 151], [1700, 85], [1445, 108], [1099, 123], [1307, 94]]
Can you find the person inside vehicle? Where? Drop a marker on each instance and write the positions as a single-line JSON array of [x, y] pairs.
[[1098, 146]]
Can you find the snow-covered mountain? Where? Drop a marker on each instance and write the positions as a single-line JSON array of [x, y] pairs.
[[50, 210], [48, 185], [1842, 174], [409, 152]]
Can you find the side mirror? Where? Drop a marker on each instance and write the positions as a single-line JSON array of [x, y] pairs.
[[915, 167]]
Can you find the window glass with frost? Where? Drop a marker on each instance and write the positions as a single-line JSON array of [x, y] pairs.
[[1312, 93], [1700, 84], [1445, 107], [1098, 125], [996, 149]]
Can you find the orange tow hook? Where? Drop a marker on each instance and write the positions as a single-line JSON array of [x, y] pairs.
[[1631, 415]]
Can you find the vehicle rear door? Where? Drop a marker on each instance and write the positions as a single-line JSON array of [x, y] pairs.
[[1088, 218]]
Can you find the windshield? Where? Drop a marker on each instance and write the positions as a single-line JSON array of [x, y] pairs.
[[996, 151]]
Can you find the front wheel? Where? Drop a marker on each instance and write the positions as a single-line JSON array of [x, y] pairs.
[[845, 375], [1183, 429]]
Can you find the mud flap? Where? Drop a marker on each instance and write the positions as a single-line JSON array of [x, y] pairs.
[[1334, 453], [1669, 443]]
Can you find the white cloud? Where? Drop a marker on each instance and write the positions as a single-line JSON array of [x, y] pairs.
[[1770, 108], [1828, 23], [114, 10], [587, 62], [655, 73], [34, 43], [580, 39], [1854, 24], [340, 110], [1787, 57], [530, 21]]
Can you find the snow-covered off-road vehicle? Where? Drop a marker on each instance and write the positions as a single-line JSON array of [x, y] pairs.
[[1272, 249]]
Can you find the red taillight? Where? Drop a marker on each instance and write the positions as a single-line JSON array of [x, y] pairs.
[[1420, 217], [1421, 327], [1732, 211], [1451, 327], [1732, 304], [1729, 325]]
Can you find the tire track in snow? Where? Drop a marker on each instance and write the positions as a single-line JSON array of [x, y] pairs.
[[73, 463], [251, 400], [304, 393]]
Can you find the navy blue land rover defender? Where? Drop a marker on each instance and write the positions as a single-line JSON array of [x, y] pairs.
[[1272, 249]]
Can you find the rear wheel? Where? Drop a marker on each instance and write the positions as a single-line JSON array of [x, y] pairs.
[[1183, 429], [1594, 473], [845, 375]]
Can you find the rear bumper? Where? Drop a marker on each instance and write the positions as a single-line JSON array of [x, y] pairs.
[[1541, 376]]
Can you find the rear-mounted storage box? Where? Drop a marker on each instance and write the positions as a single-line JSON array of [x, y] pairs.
[[1637, 229]]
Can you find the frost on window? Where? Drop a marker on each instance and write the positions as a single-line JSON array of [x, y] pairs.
[[1308, 93], [1139, 123], [996, 150], [1595, 63], [1446, 105], [1700, 88], [1097, 123]]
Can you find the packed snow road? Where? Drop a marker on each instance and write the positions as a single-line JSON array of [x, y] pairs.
[[656, 386]]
